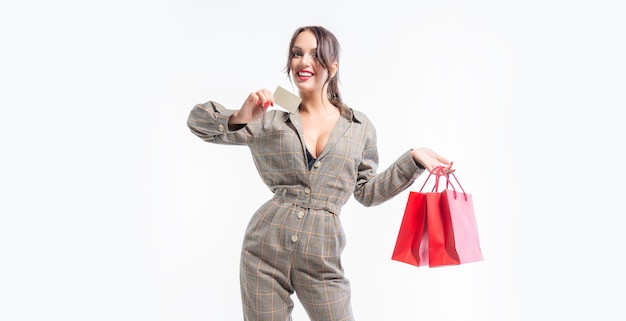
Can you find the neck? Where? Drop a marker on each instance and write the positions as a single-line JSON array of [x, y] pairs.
[[314, 103]]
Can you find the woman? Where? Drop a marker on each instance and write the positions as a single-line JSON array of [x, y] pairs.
[[312, 160]]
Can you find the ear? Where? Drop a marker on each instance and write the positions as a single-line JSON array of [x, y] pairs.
[[332, 70]]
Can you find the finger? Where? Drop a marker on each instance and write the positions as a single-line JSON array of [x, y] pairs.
[[449, 169], [435, 170], [254, 98], [443, 160], [266, 92], [268, 98], [261, 98]]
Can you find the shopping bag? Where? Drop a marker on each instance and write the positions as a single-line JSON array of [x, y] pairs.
[[438, 227], [452, 230], [412, 242]]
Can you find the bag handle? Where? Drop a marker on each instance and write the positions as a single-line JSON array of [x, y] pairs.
[[449, 183], [439, 171]]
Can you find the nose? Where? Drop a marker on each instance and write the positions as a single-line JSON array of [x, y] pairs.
[[306, 60]]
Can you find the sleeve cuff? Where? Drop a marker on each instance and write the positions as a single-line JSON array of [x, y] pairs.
[[409, 166]]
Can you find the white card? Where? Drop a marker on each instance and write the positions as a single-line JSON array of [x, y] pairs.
[[287, 100]]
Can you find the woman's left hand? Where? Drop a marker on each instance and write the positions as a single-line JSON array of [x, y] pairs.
[[431, 160]]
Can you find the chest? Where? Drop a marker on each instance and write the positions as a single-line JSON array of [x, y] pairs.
[[317, 131]]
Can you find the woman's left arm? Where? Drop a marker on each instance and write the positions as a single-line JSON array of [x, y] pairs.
[[375, 188]]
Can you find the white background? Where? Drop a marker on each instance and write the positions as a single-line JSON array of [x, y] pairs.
[[112, 210]]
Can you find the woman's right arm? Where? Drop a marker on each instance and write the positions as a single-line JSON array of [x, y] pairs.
[[210, 122], [214, 123]]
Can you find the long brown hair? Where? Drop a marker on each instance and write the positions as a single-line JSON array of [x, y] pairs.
[[327, 53]]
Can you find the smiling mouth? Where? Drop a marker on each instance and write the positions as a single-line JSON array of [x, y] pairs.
[[305, 74]]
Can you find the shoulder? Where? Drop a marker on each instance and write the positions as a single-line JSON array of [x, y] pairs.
[[356, 116], [361, 123]]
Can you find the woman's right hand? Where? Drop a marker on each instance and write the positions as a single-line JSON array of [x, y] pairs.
[[253, 108]]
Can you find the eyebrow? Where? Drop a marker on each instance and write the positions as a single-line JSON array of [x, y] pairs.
[[298, 48]]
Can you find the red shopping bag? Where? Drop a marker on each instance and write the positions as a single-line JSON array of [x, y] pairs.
[[412, 242], [439, 227], [452, 229]]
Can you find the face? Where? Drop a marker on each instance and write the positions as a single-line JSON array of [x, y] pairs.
[[307, 72]]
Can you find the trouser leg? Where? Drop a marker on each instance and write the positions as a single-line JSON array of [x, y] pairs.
[[325, 295], [265, 269], [265, 292], [317, 276]]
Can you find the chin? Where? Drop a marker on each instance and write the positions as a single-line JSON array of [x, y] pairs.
[[306, 87]]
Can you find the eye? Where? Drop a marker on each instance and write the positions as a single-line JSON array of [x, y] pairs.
[[296, 54]]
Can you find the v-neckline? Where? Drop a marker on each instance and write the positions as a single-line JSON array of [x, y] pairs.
[[338, 129], [319, 152]]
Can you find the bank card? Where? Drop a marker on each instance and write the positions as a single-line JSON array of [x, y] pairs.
[[287, 100]]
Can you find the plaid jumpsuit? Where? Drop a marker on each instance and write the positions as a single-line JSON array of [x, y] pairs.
[[294, 241]]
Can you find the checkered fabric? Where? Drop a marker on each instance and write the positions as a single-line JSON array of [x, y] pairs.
[[294, 241]]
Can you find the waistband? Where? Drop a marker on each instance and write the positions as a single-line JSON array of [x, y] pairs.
[[302, 197]]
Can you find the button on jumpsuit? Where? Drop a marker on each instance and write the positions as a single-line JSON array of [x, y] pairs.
[[294, 241]]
